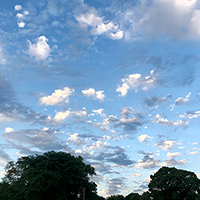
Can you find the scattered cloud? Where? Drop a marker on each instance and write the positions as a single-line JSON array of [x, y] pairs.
[[173, 162], [57, 97], [166, 122], [18, 7], [91, 19], [133, 81], [165, 145], [175, 154], [40, 50], [144, 138], [96, 95]]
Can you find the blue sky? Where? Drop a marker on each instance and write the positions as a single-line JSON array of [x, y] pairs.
[[116, 82]]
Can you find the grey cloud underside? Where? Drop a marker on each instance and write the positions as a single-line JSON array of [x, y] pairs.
[[115, 185], [43, 140], [4, 155], [118, 157]]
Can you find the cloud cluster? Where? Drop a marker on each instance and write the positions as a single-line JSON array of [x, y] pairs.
[[91, 19]]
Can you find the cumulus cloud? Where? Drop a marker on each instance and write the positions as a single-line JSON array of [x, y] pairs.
[[40, 50], [18, 7], [133, 81], [177, 18], [21, 24], [8, 130], [57, 97], [166, 122], [97, 24], [144, 138], [96, 95], [60, 116]]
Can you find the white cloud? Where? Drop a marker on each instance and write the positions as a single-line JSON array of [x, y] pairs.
[[60, 116], [97, 95], [99, 27], [175, 154], [57, 97], [4, 118], [181, 100], [8, 130], [99, 111], [144, 138], [177, 18], [133, 81], [166, 122], [19, 15], [40, 50], [18, 7], [21, 24]]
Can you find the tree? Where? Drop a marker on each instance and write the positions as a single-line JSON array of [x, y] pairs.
[[115, 197], [132, 196], [52, 175], [171, 183]]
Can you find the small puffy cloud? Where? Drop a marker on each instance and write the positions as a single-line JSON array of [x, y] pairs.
[[165, 145], [137, 175], [57, 97], [133, 81], [21, 24], [19, 15], [96, 95], [60, 116], [18, 7], [175, 154], [144, 138], [166, 122], [40, 50], [99, 111], [8, 130], [193, 152]]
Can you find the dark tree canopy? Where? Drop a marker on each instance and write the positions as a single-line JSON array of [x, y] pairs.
[[171, 183], [52, 175]]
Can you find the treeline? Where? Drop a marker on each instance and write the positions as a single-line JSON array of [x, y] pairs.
[[61, 176]]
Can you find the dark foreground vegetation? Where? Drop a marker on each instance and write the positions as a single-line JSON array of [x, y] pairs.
[[61, 176]]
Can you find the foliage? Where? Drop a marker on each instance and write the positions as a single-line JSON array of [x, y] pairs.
[[115, 197], [132, 196], [52, 175], [171, 183]]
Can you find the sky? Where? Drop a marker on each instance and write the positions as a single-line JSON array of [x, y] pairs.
[[116, 82]]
